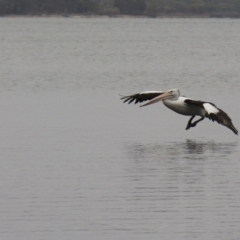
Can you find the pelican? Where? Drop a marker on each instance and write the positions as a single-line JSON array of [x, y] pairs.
[[184, 106]]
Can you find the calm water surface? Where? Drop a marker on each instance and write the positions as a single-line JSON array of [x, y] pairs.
[[76, 163]]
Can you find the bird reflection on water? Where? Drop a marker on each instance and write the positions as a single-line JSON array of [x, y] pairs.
[[185, 162], [184, 183], [180, 166], [192, 149]]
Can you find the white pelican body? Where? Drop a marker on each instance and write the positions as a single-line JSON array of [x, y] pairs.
[[179, 106], [184, 106]]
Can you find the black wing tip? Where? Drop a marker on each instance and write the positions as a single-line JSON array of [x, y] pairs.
[[140, 97], [126, 98], [234, 130], [130, 99], [123, 97]]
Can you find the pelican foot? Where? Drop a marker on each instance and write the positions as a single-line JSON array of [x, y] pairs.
[[190, 125]]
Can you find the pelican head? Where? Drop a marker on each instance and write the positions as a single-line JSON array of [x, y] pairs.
[[172, 94]]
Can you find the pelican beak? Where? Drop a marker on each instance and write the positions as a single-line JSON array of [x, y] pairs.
[[163, 96]]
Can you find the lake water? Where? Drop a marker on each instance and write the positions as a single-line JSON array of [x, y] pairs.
[[77, 163]]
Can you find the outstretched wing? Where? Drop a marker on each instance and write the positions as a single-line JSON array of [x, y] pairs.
[[214, 113], [141, 97], [218, 115]]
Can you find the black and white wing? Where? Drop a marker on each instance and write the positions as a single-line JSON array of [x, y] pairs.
[[214, 113], [218, 115], [141, 97]]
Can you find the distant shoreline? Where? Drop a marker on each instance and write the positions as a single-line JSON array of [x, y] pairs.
[[172, 15]]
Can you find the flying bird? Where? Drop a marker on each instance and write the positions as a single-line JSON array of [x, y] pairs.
[[184, 106]]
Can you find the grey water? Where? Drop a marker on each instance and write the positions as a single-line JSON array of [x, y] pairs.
[[77, 163]]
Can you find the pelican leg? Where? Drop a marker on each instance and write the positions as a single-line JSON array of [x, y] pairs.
[[190, 122], [195, 123]]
